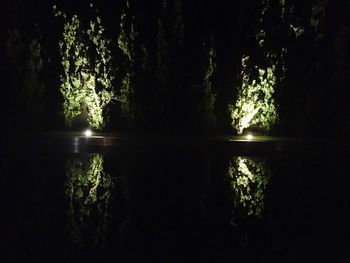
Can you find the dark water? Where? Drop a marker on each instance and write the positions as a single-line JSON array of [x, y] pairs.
[[189, 203]]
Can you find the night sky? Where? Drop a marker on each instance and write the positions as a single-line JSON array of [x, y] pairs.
[[312, 96]]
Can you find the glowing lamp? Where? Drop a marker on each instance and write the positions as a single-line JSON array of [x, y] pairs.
[[249, 136], [88, 133]]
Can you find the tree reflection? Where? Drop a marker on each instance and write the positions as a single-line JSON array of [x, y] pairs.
[[249, 179], [89, 192]]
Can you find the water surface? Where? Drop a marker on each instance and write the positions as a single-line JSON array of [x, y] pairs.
[[174, 200]]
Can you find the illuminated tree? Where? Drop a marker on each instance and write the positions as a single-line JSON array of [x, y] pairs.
[[89, 192], [87, 71], [255, 105], [263, 69], [249, 179]]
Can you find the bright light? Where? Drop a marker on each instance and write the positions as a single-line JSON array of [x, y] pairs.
[[249, 136], [88, 133]]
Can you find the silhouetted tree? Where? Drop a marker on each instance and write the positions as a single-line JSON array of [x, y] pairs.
[[169, 69], [133, 66], [25, 57], [207, 105]]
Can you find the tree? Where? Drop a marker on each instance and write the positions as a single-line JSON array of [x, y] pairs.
[[86, 82], [170, 64], [25, 57], [126, 43], [255, 105], [209, 96], [263, 69]]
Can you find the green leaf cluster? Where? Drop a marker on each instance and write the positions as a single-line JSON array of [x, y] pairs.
[[87, 70], [255, 104]]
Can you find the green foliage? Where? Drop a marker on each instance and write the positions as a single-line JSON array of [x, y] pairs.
[[87, 71], [263, 70], [297, 30], [126, 43], [126, 96], [249, 179], [89, 192], [255, 105], [126, 39]]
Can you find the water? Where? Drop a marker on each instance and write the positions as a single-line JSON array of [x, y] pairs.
[[174, 201]]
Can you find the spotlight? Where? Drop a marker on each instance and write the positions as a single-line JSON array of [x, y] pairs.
[[249, 136], [88, 133]]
